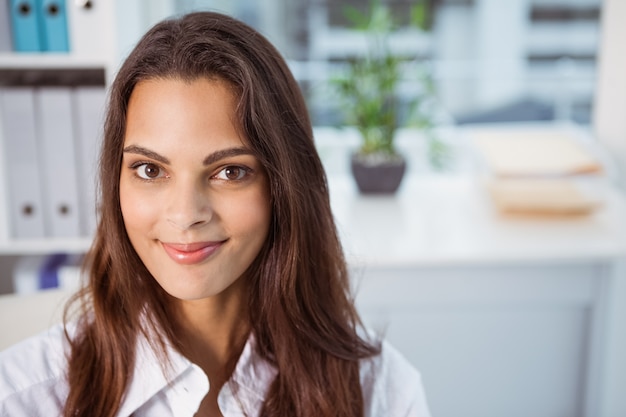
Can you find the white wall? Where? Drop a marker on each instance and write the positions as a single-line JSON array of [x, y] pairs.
[[610, 127], [610, 104]]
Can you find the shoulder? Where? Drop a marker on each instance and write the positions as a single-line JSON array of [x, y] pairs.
[[392, 386], [32, 375]]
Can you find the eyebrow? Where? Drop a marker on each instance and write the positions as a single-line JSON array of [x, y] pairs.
[[210, 159], [139, 150], [225, 153]]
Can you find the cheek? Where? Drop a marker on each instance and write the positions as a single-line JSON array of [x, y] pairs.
[[252, 216], [136, 211]]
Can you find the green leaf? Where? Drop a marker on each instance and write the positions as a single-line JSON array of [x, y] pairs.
[[369, 86], [419, 15], [358, 19]]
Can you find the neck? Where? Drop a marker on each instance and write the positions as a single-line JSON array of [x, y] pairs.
[[214, 331]]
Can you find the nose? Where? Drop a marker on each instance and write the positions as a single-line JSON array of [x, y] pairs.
[[188, 206]]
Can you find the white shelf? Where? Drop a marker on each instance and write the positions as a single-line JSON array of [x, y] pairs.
[[44, 246], [565, 3], [345, 42], [47, 60], [557, 39]]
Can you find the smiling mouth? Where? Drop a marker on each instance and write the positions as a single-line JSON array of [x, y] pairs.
[[191, 253]]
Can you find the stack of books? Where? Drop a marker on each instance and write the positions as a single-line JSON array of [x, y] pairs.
[[539, 172]]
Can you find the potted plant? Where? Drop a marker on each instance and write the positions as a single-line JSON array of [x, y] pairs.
[[368, 91]]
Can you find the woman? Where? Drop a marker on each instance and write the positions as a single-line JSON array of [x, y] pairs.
[[217, 284]]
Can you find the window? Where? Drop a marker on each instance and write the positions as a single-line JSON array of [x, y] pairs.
[[491, 60]]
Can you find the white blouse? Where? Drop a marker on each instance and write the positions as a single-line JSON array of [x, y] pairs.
[[33, 382]]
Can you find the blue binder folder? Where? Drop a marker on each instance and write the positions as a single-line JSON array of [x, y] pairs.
[[53, 25], [25, 26]]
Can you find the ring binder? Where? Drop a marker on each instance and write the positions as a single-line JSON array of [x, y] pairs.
[[5, 27], [89, 104], [83, 16], [56, 133], [17, 105], [25, 26], [53, 25]]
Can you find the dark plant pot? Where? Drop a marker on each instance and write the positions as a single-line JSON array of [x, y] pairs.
[[375, 176]]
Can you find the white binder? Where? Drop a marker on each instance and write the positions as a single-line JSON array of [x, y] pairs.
[[21, 163], [89, 105], [70, 273], [5, 28], [26, 274], [89, 24], [58, 161]]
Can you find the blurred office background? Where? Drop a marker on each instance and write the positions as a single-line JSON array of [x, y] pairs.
[[504, 315], [491, 60]]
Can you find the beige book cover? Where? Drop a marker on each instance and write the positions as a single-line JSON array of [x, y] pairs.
[[541, 196], [522, 153]]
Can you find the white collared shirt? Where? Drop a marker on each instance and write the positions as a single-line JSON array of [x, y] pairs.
[[33, 382]]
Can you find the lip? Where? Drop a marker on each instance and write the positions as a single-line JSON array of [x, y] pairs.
[[191, 253]]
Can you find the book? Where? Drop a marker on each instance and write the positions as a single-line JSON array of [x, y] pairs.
[[539, 171], [534, 154], [554, 196]]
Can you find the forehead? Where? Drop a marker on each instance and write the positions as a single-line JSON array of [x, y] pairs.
[[166, 94], [176, 111]]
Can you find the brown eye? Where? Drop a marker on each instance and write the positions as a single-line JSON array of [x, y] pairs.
[[232, 173], [148, 171]]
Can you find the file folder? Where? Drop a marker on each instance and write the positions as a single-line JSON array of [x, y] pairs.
[[17, 109], [25, 26], [89, 104], [53, 25], [58, 161], [49, 271], [88, 23], [26, 274], [36, 273], [5, 27]]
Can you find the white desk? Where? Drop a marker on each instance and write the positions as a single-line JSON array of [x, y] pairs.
[[503, 316], [446, 220]]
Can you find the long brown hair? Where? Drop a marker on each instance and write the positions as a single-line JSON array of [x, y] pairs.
[[302, 314]]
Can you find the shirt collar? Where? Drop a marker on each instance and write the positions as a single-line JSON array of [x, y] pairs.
[[244, 392], [150, 376], [248, 386]]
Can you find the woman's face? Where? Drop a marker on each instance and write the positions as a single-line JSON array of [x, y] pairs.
[[194, 198]]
